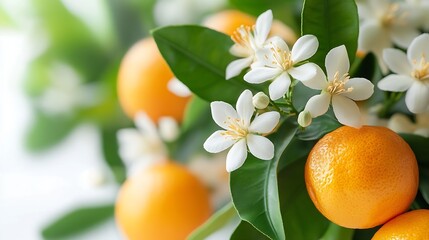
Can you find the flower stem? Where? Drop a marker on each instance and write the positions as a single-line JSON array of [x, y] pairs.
[[389, 101]]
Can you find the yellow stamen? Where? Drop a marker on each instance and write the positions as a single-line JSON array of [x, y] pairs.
[[281, 57], [338, 84], [236, 129], [422, 73], [243, 36]]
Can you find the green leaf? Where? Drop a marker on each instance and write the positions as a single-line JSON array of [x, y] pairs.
[[198, 57], [420, 147], [254, 187], [246, 231], [334, 23], [318, 128], [109, 146], [48, 130], [336, 232], [196, 109], [214, 223], [76, 221], [365, 234], [424, 184]]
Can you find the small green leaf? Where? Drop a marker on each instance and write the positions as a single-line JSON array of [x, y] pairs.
[[254, 187], [214, 223], [77, 221], [336, 232], [318, 128], [334, 23], [198, 57], [109, 145], [246, 231]]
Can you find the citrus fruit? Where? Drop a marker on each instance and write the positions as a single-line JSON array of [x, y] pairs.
[[412, 225], [361, 178], [228, 21], [163, 201], [142, 83]]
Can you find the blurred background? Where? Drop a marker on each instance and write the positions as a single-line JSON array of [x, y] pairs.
[[59, 165]]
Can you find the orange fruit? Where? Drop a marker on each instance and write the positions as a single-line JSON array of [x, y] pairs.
[[412, 225], [361, 178], [228, 21], [164, 201], [142, 83]]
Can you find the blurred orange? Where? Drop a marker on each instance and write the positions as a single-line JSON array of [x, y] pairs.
[[361, 178], [163, 202], [142, 83]]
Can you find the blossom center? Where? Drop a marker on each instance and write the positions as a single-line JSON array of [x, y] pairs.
[[338, 85], [391, 15], [281, 58], [243, 36], [236, 128], [422, 71]]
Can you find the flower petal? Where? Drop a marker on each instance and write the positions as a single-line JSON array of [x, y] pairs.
[[400, 123], [261, 74], [418, 48], [218, 142], [279, 43], [373, 38], [236, 156], [395, 83], [279, 86], [337, 60], [397, 61], [317, 82], [235, 67], [263, 26], [245, 108], [178, 88], [318, 104], [346, 111], [304, 72], [362, 89], [145, 124], [403, 36], [221, 111], [261, 147], [417, 97], [265, 123], [304, 48]]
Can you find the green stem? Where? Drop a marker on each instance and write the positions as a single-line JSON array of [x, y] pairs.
[[389, 101]]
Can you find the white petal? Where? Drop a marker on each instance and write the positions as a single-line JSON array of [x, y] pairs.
[[263, 26], [168, 128], [221, 111], [178, 88], [403, 36], [261, 74], [317, 82], [217, 142], [265, 58], [417, 97], [419, 47], [304, 72], [241, 51], [373, 37], [397, 61], [401, 124], [279, 86], [145, 124], [395, 83], [245, 108], [304, 48], [265, 123], [362, 89], [318, 104], [346, 111], [280, 43], [261, 147], [236, 156], [337, 60], [235, 67]]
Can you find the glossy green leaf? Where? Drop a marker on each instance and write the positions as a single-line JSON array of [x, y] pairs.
[[336, 232], [198, 57], [196, 109], [420, 147], [424, 184], [318, 128], [365, 234], [254, 187], [221, 218], [334, 23], [77, 221], [109, 146], [48, 130], [246, 231]]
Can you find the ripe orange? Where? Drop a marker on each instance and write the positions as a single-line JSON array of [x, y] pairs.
[[142, 83], [229, 20], [412, 225], [361, 178], [164, 201]]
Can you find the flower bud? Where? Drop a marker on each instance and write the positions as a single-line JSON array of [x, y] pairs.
[[261, 100], [304, 118]]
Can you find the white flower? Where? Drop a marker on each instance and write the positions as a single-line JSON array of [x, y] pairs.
[[240, 132], [402, 124], [178, 88], [411, 73], [337, 87], [277, 63], [248, 41], [141, 146], [382, 24], [419, 10]]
